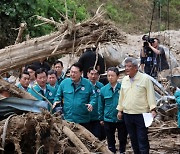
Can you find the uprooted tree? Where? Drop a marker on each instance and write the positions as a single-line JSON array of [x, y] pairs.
[[32, 133], [45, 133], [69, 37]]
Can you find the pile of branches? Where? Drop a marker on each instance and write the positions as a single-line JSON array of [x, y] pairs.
[[46, 133], [69, 38], [164, 137]]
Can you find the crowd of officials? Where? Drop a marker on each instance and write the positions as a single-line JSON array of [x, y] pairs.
[[102, 108], [99, 108]]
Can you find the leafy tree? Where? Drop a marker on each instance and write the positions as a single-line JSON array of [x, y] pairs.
[[14, 12], [132, 15]]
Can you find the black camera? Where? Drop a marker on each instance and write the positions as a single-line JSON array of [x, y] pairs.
[[147, 39]]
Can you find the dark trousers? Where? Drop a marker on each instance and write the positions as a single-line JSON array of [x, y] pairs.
[[86, 125], [97, 130], [110, 129], [150, 70], [137, 132]]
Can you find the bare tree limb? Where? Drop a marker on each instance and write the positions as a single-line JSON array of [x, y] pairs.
[[21, 30]]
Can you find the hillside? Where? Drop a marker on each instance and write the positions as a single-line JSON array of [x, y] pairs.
[[132, 16]]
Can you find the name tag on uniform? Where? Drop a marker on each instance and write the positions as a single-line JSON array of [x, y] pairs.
[[98, 90], [82, 88]]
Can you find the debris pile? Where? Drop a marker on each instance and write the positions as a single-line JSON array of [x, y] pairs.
[[32, 133], [164, 137], [69, 38]]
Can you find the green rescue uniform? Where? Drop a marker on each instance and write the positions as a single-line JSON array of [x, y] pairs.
[[75, 99]]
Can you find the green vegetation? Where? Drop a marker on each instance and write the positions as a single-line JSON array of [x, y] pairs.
[[117, 14], [133, 16], [14, 12]]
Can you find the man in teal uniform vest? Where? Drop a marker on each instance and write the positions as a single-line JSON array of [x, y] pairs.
[[96, 128], [58, 67], [52, 79], [78, 97], [24, 80], [108, 100], [177, 97], [41, 90], [53, 83]]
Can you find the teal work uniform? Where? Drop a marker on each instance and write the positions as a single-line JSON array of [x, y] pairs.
[[60, 78], [49, 93], [54, 88], [94, 116], [108, 101], [177, 97], [21, 87], [75, 99]]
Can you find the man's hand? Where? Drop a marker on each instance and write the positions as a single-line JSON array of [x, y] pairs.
[[102, 123], [153, 113], [149, 44], [54, 104], [154, 49], [119, 115], [89, 107]]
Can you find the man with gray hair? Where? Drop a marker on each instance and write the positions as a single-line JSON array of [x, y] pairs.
[[136, 97]]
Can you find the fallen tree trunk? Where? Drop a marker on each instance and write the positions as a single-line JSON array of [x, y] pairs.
[[64, 41], [81, 147], [88, 136]]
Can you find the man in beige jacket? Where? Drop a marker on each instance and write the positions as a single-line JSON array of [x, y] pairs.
[[136, 97]]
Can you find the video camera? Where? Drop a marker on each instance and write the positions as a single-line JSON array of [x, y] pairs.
[[147, 39]]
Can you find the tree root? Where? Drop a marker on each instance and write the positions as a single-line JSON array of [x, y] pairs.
[[5, 129], [37, 152], [33, 133]]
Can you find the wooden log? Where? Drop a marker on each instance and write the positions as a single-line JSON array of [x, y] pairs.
[[64, 41], [48, 21], [13, 58], [90, 137], [74, 139], [156, 129]]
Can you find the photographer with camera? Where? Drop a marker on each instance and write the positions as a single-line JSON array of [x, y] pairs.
[[153, 58]]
